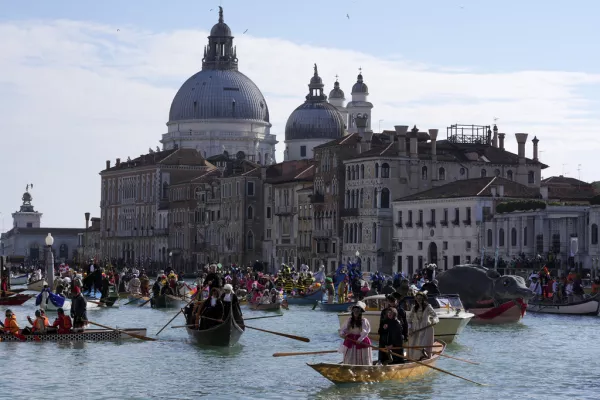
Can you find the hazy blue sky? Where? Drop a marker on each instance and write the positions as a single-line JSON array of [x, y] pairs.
[[87, 81]]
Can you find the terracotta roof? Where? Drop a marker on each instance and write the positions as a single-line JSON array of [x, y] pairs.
[[179, 156], [352, 138], [291, 171], [565, 188], [476, 187], [205, 176]]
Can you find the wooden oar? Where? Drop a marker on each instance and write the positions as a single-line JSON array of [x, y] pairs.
[[456, 358], [131, 301], [267, 316], [120, 331], [421, 329], [422, 363], [145, 302], [245, 319], [314, 352], [171, 320], [300, 338]]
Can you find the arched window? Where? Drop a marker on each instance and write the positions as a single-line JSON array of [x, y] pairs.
[[483, 173], [424, 173], [250, 241], [362, 171], [509, 175], [375, 198], [385, 198], [385, 170], [361, 198], [531, 177], [376, 170], [442, 174], [360, 233], [490, 241], [348, 173], [497, 172], [513, 237], [250, 212], [594, 234], [501, 237], [347, 199], [345, 233]]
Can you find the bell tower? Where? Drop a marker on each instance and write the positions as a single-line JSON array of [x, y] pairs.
[[27, 217]]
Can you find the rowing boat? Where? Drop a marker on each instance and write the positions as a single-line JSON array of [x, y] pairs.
[[266, 307], [335, 307], [15, 300], [91, 335], [305, 300], [166, 301], [588, 306], [36, 286], [346, 373], [226, 334]]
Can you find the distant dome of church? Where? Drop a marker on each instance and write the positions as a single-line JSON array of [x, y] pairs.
[[315, 118], [360, 86], [336, 92]]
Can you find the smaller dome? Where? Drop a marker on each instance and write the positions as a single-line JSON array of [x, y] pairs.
[[360, 86], [336, 92], [316, 80], [220, 29]]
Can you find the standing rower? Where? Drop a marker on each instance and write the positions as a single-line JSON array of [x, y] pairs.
[[78, 310]]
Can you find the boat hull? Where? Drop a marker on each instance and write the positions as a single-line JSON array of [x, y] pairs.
[[344, 373], [36, 286], [335, 307], [266, 307], [15, 300], [450, 325], [226, 334], [507, 313], [91, 335], [19, 280], [166, 301], [310, 299], [589, 306]]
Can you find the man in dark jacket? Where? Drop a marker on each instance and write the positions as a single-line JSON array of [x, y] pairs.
[[78, 310], [401, 316]]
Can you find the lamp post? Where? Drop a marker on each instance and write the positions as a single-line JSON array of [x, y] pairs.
[[49, 261], [87, 225], [357, 254]]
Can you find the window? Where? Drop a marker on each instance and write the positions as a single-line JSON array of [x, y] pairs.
[[501, 237], [497, 172], [410, 218], [539, 244], [483, 173], [420, 246], [302, 151], [513, 237], [531, 177], [269, 212], [424, 173], [509, 175], [490, 242], [399, 223], [468, 245], [30, 225], [250, 241], [362, 171], [556, 243], [444, 245], [442, 173], [376, 170], [374, 232], [420, 220], [525, 236], [385, 170], [348, 173], [250, 189], [385, 198], [250, 212], [594, 234], [268, 234]]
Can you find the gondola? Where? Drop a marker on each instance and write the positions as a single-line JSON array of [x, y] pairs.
[[345, 373], [305, 300], [335, 307], [91, 335], [266, 307], [589, 306], [226, 334], [15, 300], [166, 301]]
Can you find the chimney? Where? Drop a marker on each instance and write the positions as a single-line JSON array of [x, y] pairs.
[[401, 134], [544, 192], [493, 191], [501, 137], [107, 164], [500, 190], [521, 139], [433, 134], [535, 141], [361, 125], [413, 136], [495, 137], [118, 162]]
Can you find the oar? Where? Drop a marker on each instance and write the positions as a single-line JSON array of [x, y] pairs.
[[131, 301], [315, 352], [456, 358], [300, 338], [422, 363], [171, 320], [141, 337], [245, 319], [422, 329], [144, 303], [267, 316], [315, 306]]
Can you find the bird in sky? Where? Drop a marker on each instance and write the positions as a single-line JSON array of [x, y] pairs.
[[245, 31], [210, 9], [348, 16], [118, 30]]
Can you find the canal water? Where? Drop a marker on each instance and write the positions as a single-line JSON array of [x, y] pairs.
[[541, 357]]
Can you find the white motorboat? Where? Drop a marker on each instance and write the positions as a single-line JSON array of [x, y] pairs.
[[67, 306], [449, 309], [588, 306], [19, 279]]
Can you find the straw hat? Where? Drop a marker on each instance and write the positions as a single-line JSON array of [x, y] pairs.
[[361, 305]]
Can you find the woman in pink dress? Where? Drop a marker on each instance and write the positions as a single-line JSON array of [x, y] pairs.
[[357, 345]]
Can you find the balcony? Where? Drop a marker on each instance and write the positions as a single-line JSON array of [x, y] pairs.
[[431, 224], [286, 210], [419, 224], [213, 200], [199, 247], [304, 249], [444, 223], [467, 222], [161, 232], [455, 222], [399, 225], [326, 233], [317, 198], [409, 224], [349, 212]]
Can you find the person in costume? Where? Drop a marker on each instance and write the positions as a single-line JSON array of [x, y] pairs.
[[343, 290], [391, 332], [62, 322], [212, 312], [421, 322], [330, 290], [356, 347], [10, 323], [78, 310], [231, 303]]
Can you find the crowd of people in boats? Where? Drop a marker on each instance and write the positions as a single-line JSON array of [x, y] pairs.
[[556, 290]]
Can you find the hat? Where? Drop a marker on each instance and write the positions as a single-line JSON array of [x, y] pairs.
[[361, 305], [60, 311], [228, 287]]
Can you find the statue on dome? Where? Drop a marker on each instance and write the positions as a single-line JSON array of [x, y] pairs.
[[220, 14], [316, 71]]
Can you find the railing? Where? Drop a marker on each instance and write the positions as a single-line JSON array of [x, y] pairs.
[[409, 224], [455, 222], [399, 225], [286, 210], [431, 224], [419, 224], [444, 223], [161, 232]]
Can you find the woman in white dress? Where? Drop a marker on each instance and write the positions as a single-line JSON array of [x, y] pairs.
[[420, 332], [357, 345]]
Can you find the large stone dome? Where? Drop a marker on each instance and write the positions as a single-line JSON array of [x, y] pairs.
[[315, 120], [214, 94]]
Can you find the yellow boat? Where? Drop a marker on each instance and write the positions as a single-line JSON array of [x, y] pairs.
[[345, 373]]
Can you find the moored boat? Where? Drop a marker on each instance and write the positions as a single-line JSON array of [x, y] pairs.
[[19, 279], [266, 307], [15, 300], [345, 373], [335, 307], [92, 335], [305, 300], [506, 313], [449, 309], [166, 301], [226, 334], [36, 286], [589, 306]]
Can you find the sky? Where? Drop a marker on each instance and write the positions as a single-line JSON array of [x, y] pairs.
[[83, 82]]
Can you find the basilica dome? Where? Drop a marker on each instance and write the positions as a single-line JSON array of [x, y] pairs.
[[315, 118]]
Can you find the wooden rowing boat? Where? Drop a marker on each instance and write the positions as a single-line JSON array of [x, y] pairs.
[[345, 373], [91, 335], [589, 306], [15, 300], [226, 334], [166, 301], [305, 300], [266, 307]]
